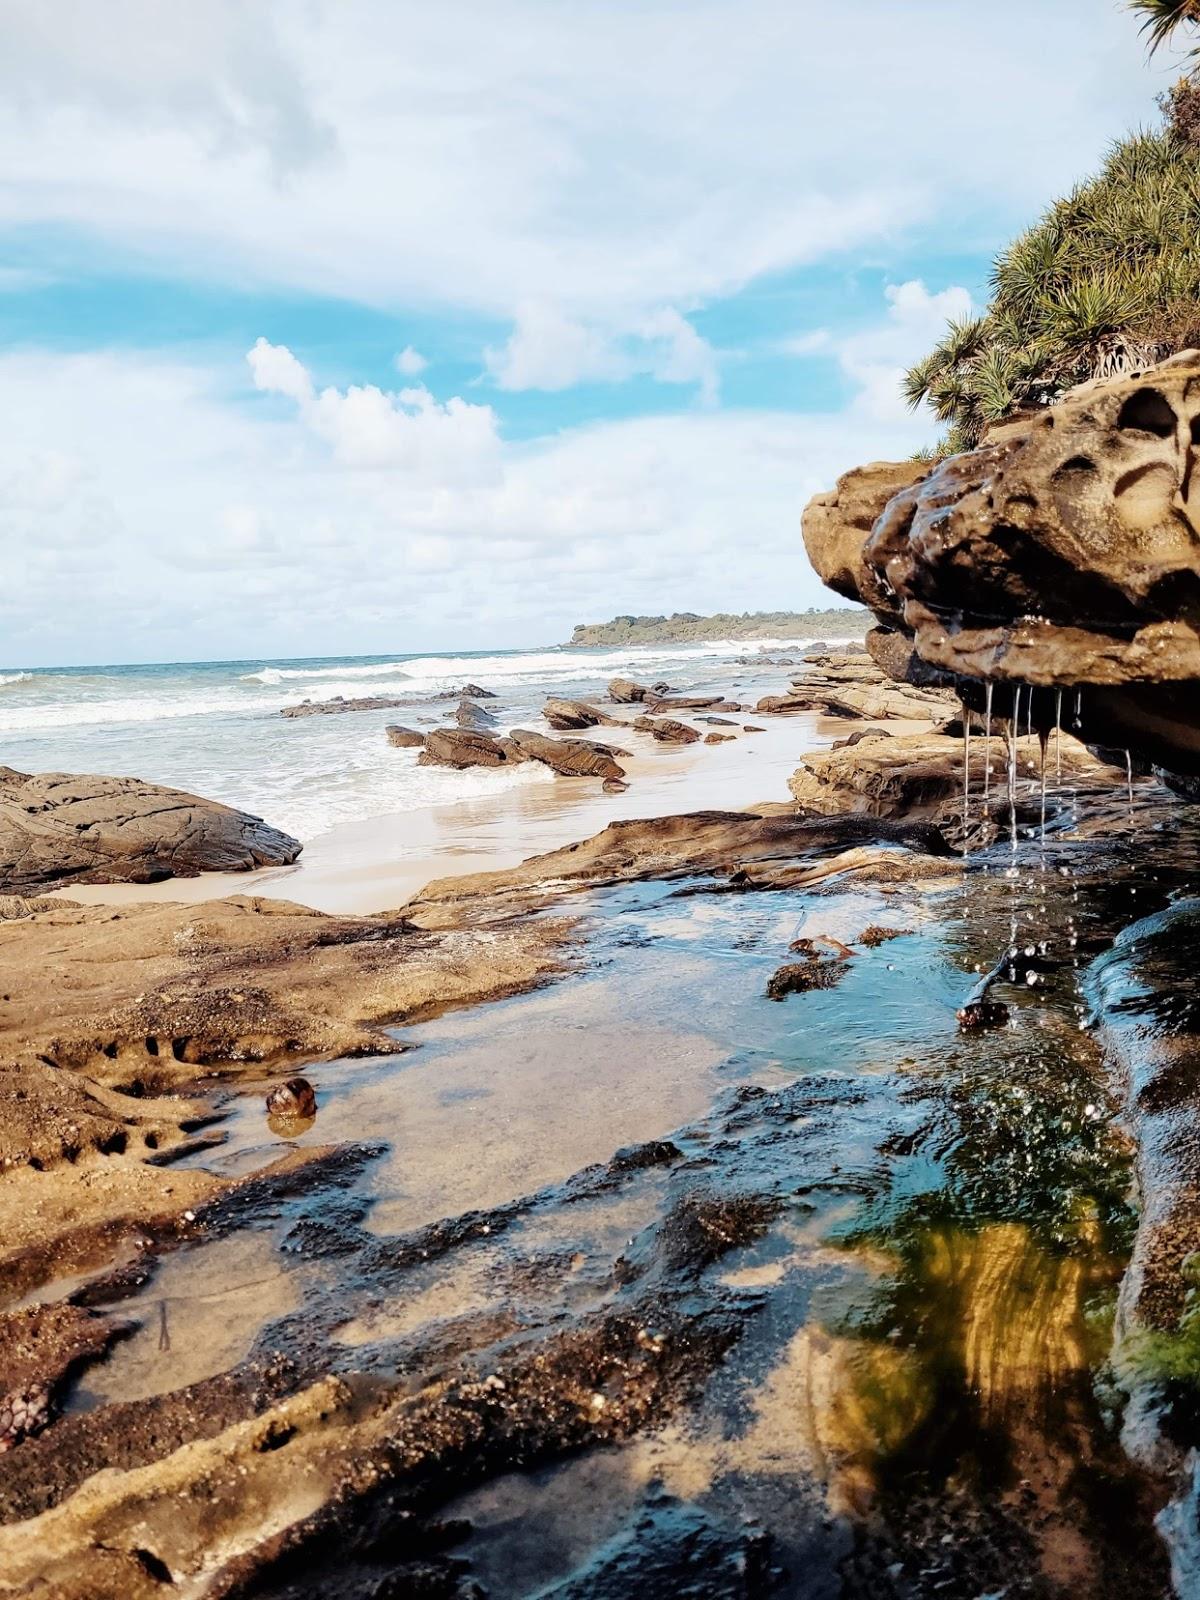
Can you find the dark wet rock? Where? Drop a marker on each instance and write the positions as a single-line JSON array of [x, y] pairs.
[[702, 1226], [567, 715], [57, 829], [976, 1015], [800, 977], [404, 738], [473, 717], [666, 730], [749, 727], [472, 691], [614, 786], [626, 692], [876, 935], [292, 1100], [676, 1551], [657, 705], [570, 758], [340, 705], [718, 722]]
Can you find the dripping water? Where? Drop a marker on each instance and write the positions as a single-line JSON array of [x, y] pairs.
[[1057, 737], [987, 748], [1014, 724], [966, 725], [1129, 780]]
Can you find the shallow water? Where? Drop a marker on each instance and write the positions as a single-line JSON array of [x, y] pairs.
[[920, 1400]]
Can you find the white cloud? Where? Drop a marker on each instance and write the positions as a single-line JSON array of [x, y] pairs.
[[876, 359], [366, 427], [409, 362], [611, 160], [550, 350], [171, 520]]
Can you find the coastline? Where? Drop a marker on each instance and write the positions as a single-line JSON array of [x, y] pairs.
[[379, 863]]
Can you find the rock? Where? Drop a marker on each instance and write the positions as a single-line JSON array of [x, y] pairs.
[[57, 829], [338, 705], [656, 704], [626, 692], [920, 775], [293, 1101], [614, 786], [719, 738], [666, 731], [800, 977], [459, 748], [876, 935], [859, 735], [571, 758], [838, 524], [568, 714], [979, 1014], [404, 738], [472, 691], [1064, 552], [750, 727], [887, 702], [473, 717], [719, 722]]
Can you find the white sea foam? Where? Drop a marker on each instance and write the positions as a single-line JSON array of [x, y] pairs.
[[8, 678]]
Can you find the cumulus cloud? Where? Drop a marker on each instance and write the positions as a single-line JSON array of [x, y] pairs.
[[367, 427], [876, 359], [411, 363], [175, 517], [550, 350]]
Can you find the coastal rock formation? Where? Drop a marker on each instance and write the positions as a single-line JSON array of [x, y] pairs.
[[566, 715], [666, 730], [657, 704], [473, 717], [921, 775], [473, 691], [1063, 553], [854, 686], [57, 829], [404, 738], [459, 748], [339, 704], [571, 758], [626, 692]]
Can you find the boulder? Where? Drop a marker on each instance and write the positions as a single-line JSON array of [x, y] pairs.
[[1063, 553], [920, 775], [472, 691], [657, 704], [719, 738], [58, 829], [666, 730], [339, 704], [473, 717], [568, 714], [572, 758], [404, 738], [461, 747], [626, 692]]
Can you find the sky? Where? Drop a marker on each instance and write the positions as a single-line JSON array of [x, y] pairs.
[[365, 326]]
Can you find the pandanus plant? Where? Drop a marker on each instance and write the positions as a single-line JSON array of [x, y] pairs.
[[1108, 280]]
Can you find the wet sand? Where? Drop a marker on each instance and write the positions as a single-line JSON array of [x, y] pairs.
[[378, 864]]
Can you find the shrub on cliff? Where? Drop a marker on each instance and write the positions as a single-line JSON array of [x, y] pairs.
[[1107, 280]]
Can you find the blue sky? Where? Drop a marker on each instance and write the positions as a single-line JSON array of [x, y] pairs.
[[375, 326]]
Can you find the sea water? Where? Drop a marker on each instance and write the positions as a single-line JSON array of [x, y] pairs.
[[214, 727]]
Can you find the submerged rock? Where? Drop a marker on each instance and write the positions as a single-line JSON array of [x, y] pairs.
[[339, 704], [292, 1101], [461, 747], [57, 829], [473, 717], [571, 758]]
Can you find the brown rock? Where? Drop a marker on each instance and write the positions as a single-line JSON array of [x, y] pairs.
[[404, 738], [295, 1100], [718, 738], [751, 727], [571, 758], [570, 714], [656, 704], [459, 748], [800, 977], [666, 730], [473, 717], [57, 829], [626, 692], [837, 525]]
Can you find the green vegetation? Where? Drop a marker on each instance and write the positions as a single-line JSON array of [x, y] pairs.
[[1107, 281], [686, 627]]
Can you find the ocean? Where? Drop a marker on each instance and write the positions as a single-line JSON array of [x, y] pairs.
[[214, 727]]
